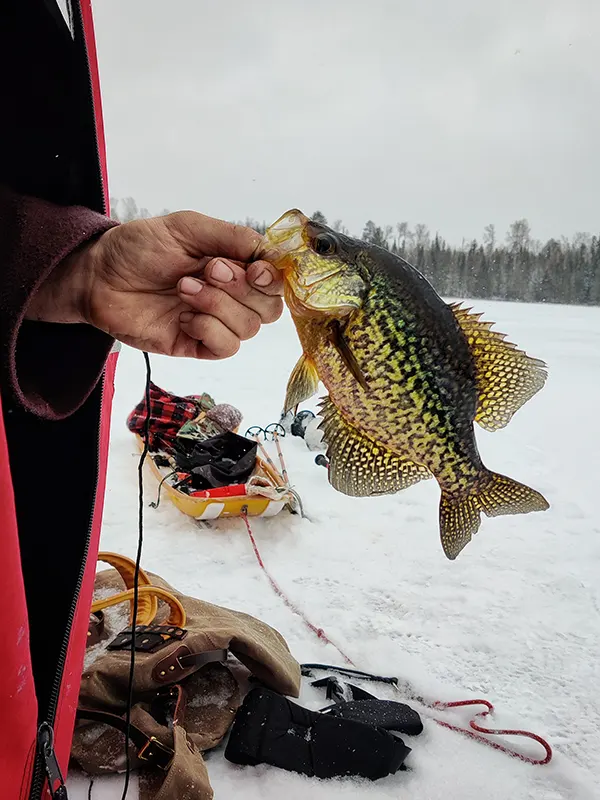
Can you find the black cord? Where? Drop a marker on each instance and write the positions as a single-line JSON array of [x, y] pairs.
[[156, 503], [90, 787], [136, 574]]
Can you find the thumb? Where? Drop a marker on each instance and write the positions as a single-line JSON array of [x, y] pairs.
[[200, 235]]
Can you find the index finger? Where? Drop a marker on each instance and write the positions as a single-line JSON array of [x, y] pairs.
[[200, 235]]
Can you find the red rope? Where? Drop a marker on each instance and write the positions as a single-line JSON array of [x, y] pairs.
[[475, 731], [493, 731], [280, 593]]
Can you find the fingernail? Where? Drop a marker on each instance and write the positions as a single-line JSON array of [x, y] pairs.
[[221, 272], [190, 286], [186, 316], [264, 278]]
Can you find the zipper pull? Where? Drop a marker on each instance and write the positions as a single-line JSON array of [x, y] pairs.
[[56, 783]]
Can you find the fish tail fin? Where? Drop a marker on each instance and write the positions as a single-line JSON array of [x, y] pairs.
[[460, 518], [496, 495]]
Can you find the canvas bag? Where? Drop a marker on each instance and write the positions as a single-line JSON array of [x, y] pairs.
[[192, 663]]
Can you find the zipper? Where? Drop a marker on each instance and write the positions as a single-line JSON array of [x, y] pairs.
[[45, 751], [56, 783], [46, 764]]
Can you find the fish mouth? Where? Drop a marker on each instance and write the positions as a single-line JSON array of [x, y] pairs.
[[282, 237]]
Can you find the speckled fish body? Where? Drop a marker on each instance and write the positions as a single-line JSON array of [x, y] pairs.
[[407, 376]]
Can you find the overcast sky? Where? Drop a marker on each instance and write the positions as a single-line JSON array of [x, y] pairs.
[[455, 114]]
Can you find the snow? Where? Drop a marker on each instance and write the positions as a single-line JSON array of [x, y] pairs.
[[515, 619]]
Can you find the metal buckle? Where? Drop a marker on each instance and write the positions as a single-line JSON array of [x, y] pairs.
[[157, 748]]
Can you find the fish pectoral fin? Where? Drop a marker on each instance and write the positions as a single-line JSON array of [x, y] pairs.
[[360, 467], [346, 354], [302, 384], [460, 517], [506, 376]]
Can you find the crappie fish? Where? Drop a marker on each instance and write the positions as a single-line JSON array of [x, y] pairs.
[[407, 375]]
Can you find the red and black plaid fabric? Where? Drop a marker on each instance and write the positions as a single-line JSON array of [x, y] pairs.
[[168, 412]]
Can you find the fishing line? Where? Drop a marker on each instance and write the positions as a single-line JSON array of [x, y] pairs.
[[136, 573]]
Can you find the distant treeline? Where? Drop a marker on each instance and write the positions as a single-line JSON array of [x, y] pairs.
[[516, 267]]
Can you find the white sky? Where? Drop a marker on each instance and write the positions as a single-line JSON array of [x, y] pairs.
[[455, 114]]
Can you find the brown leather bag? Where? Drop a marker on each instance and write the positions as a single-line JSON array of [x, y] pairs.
[[192, 663]]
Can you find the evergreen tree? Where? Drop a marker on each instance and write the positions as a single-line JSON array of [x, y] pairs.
[[522, 269]]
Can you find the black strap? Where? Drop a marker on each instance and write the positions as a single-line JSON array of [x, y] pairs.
[[149, 748], [306, 670], [147, 638]]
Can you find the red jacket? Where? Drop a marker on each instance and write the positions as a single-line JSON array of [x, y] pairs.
[[56, 385]]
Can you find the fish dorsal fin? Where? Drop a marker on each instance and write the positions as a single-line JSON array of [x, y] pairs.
[[506, 376], [360, 467]]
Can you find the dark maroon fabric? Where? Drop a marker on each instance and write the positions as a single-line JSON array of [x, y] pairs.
[[50, 368]]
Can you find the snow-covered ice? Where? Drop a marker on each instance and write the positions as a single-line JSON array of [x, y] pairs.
[[515, 619]]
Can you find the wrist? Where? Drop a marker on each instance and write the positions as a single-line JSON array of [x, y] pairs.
[[64, 296]]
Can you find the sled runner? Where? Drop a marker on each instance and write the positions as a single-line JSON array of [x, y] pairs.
[[263, 495]]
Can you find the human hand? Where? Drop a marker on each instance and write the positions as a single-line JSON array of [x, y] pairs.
[[178, 285]]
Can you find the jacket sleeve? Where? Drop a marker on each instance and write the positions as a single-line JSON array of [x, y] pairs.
[[48, 368]]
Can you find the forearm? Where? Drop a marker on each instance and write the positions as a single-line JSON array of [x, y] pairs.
[[49, 367], [63, 295]]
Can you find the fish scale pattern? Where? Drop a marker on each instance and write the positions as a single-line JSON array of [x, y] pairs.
[[407, 376]]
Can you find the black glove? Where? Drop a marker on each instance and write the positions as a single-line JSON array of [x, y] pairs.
[[270, 729]]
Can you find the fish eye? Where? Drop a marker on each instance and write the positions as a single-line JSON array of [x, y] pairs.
[[324, 244]]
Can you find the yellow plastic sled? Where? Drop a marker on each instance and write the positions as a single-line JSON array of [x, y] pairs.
[[266, 495]]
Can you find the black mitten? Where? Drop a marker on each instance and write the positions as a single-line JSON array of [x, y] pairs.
[[386, 714], [270, 729]]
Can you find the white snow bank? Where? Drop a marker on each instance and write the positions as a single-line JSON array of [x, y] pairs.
[[515, 619]]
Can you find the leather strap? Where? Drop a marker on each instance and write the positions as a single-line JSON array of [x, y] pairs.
[[147, 638], [182, 662], [149, 748], [95, 629], [169, 705], [200, 659]]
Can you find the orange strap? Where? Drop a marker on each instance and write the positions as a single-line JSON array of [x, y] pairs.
[[177, 615], [148, 595]]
